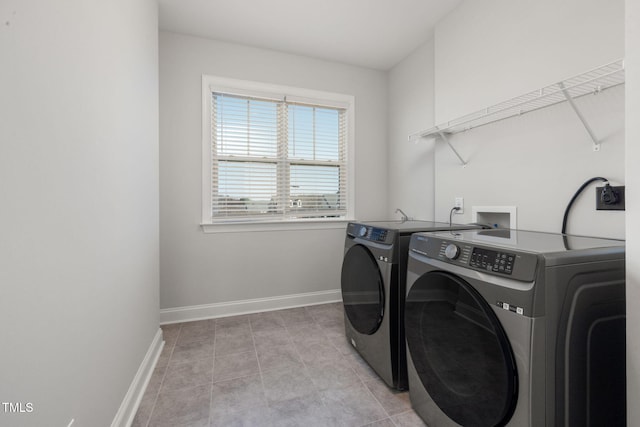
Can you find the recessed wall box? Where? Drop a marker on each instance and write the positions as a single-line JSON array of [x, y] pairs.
[[497, 216]]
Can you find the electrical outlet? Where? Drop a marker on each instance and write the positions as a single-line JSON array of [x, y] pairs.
[[610, 198], [459, 203]]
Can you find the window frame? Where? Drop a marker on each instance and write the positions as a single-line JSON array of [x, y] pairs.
[[255, 89]]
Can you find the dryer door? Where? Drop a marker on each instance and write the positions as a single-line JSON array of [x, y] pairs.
[[460, 351], [362, 290]]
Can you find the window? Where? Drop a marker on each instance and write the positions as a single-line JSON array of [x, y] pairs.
[[274, 154]]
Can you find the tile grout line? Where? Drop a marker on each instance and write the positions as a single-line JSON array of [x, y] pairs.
[[306, 368], [255, 349], [164, 374], [406, 412], [377, 401], [364, 383], [213, 367], [315, 322], [331, 342], [344, 356], [295, 347], [290, 339]]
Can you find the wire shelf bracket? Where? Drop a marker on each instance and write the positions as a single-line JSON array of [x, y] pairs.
[[445, 138], [591, 82], [596, 142]]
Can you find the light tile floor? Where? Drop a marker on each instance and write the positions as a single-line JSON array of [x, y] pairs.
[[280, 368]]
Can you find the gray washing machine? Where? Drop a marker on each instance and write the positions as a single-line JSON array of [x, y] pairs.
[[373, 288], [516, 328]]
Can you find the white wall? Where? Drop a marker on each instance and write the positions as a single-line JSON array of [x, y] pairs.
[[411, 165], [198, 268], [537, 162], [633, 209], [79, 205], [487, 52]]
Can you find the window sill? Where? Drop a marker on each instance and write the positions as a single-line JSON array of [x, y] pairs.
[[258, 226]]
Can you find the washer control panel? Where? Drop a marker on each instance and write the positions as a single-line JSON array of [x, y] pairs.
[[370, 233], [490, 260], [377, 234], [454, 252]]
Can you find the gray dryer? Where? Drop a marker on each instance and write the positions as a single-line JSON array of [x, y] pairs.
[[516, 328]]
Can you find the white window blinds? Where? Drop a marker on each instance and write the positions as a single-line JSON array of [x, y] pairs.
[[273, 159]]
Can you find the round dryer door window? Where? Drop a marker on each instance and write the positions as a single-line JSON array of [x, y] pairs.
[[362, 290], [460, 351]]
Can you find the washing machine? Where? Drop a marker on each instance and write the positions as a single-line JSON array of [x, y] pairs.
[[516, 328], [373, 287]]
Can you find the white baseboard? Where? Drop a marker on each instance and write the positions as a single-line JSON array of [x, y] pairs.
[[233, 308], [131, 401]]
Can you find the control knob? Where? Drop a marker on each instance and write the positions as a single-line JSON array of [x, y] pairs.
[[452, 251], [362, 232]]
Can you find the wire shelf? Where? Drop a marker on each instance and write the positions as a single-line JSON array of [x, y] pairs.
[[591, 82]]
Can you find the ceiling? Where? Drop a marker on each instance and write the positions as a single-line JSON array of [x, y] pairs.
[[369, 33]]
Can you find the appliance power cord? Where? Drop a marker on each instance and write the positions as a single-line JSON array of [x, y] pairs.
[[575, 196], [454, 209]]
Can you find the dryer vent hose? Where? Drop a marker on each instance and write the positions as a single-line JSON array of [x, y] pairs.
[[575, 196]]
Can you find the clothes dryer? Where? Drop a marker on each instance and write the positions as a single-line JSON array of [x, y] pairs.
[[516, 328], [373, 288]]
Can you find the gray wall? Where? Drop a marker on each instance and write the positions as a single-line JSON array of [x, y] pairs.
[[79, 205], [491, 51], [633, 208], [198, 268], [411, 103]]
